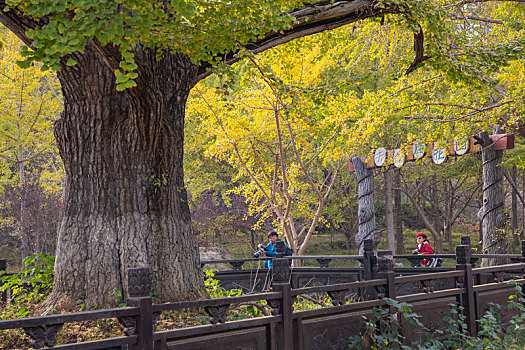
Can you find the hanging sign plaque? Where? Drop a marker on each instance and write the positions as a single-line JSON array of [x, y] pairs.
[[399, 158], [380, 156], [461, 146], [418, 149], [439, 154]]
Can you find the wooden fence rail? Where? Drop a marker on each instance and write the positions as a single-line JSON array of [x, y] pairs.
[[431, 292]]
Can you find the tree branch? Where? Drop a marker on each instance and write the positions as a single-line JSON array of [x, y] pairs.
[[311, 19], [465, 2], [479, 19], [419, 48]]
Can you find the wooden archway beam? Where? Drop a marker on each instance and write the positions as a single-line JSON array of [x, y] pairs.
[[500, 142]]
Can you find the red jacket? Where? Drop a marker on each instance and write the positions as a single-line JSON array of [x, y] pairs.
[[425, 248]]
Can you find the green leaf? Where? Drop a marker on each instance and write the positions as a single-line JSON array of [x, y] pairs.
[[24, 64], [186, 9]]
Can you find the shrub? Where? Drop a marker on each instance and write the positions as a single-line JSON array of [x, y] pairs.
[[382, 331], [28, 286]]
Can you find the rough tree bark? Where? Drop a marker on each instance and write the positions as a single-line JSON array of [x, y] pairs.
[[492, 217], [366, 211], [125, 202]]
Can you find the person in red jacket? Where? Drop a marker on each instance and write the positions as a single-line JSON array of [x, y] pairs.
[[423, 247]]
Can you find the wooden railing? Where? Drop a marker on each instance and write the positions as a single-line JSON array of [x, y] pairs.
[[468, 288]]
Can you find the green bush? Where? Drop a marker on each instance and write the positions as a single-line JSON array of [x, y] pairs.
[[382, 331], [28, 286], [215, 291]]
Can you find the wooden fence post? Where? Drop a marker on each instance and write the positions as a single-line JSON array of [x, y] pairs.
[[139, 289], [3, 269], [465, 240], [385, 270], [281, 283], [369, 266], [467, 299]]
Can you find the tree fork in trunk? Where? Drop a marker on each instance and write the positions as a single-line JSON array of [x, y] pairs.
[[438, 247]]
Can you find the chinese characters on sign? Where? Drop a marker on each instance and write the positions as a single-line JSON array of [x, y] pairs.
[[418, 149], [439, 155]]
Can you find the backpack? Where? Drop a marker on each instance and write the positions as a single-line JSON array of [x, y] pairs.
[[434, 262]]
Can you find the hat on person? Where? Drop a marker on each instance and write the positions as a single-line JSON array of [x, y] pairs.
[[272, 233], [421, 234]]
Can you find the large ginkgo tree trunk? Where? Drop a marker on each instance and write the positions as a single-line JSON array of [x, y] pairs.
[[125, 201]]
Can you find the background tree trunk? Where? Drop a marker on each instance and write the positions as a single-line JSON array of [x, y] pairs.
[[523, 207], [492, 217], [366, 211], [438, 247], [389, 213], [514, 210], [448, 212], [22, 231], [435, 205], [398, 223], [125, 201]]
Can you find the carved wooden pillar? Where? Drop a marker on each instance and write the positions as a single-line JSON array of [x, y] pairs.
[[366, 212], [492, 216], [369, 267]]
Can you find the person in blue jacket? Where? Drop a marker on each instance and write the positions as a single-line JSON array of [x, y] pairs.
[[270, 250]]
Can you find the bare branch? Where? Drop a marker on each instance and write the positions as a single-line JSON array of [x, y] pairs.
[[487, 20], [313, 300], [260, 306], [464, 2], [477, 111], [413, 85]]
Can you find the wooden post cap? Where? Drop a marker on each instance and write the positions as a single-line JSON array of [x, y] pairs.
[[139, 282]]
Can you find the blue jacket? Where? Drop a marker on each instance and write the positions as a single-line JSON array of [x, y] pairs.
[[271, 252]]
